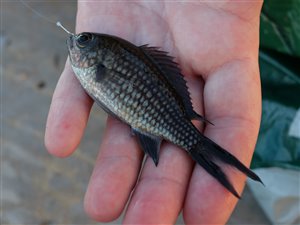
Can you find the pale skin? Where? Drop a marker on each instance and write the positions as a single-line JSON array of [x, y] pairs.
[[216, 45]]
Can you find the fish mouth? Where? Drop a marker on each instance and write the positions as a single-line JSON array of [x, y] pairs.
[[70, 46], [69, 42]]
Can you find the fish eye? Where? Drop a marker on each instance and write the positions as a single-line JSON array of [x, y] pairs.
[[83, 39]]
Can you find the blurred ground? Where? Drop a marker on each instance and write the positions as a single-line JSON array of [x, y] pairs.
[[37, 188]]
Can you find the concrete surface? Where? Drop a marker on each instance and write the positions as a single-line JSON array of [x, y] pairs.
[[37, 188]]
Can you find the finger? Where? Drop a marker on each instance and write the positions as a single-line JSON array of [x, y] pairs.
[[160, 192], [115, 173], [232, 99], [67, 116]]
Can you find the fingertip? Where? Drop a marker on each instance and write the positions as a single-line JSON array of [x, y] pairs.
[[58, 145], [115, 173], [68, 115], [110, 186], [100, 207]]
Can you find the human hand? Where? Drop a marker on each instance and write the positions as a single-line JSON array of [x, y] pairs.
[[216, 45]]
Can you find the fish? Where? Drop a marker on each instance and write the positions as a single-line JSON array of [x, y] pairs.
[[143, 86]]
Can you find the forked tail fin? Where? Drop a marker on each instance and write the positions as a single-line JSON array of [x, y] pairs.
[[206, 151]]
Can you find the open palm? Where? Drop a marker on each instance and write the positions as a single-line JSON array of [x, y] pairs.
[[216, 45]]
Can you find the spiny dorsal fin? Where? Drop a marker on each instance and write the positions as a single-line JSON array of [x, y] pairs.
[[172, 73]]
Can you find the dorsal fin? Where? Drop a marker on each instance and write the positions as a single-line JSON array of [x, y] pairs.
[[172, 73]]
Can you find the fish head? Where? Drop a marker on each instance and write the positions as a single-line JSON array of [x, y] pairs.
[[83, 49]]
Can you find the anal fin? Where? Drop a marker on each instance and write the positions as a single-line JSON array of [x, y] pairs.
[[149, 143]]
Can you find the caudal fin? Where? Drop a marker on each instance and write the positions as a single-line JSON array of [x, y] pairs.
[[206, 151]]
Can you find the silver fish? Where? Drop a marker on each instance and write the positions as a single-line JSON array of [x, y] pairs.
[[143, 87]]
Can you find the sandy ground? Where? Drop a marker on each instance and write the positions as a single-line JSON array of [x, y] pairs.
[[36, 187]]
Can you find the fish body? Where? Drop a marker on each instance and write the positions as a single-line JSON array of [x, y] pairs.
[[143, 87]]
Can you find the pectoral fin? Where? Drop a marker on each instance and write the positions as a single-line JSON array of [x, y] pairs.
[[150, 144], [101, 72]]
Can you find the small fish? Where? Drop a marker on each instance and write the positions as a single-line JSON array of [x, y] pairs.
[[143, 87]]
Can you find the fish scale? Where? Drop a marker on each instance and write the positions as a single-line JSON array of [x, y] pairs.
[[143, 87], [142, 117]]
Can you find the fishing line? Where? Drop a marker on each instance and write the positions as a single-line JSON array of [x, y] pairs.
[[62, 27], [36, 12], [44, 17]]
